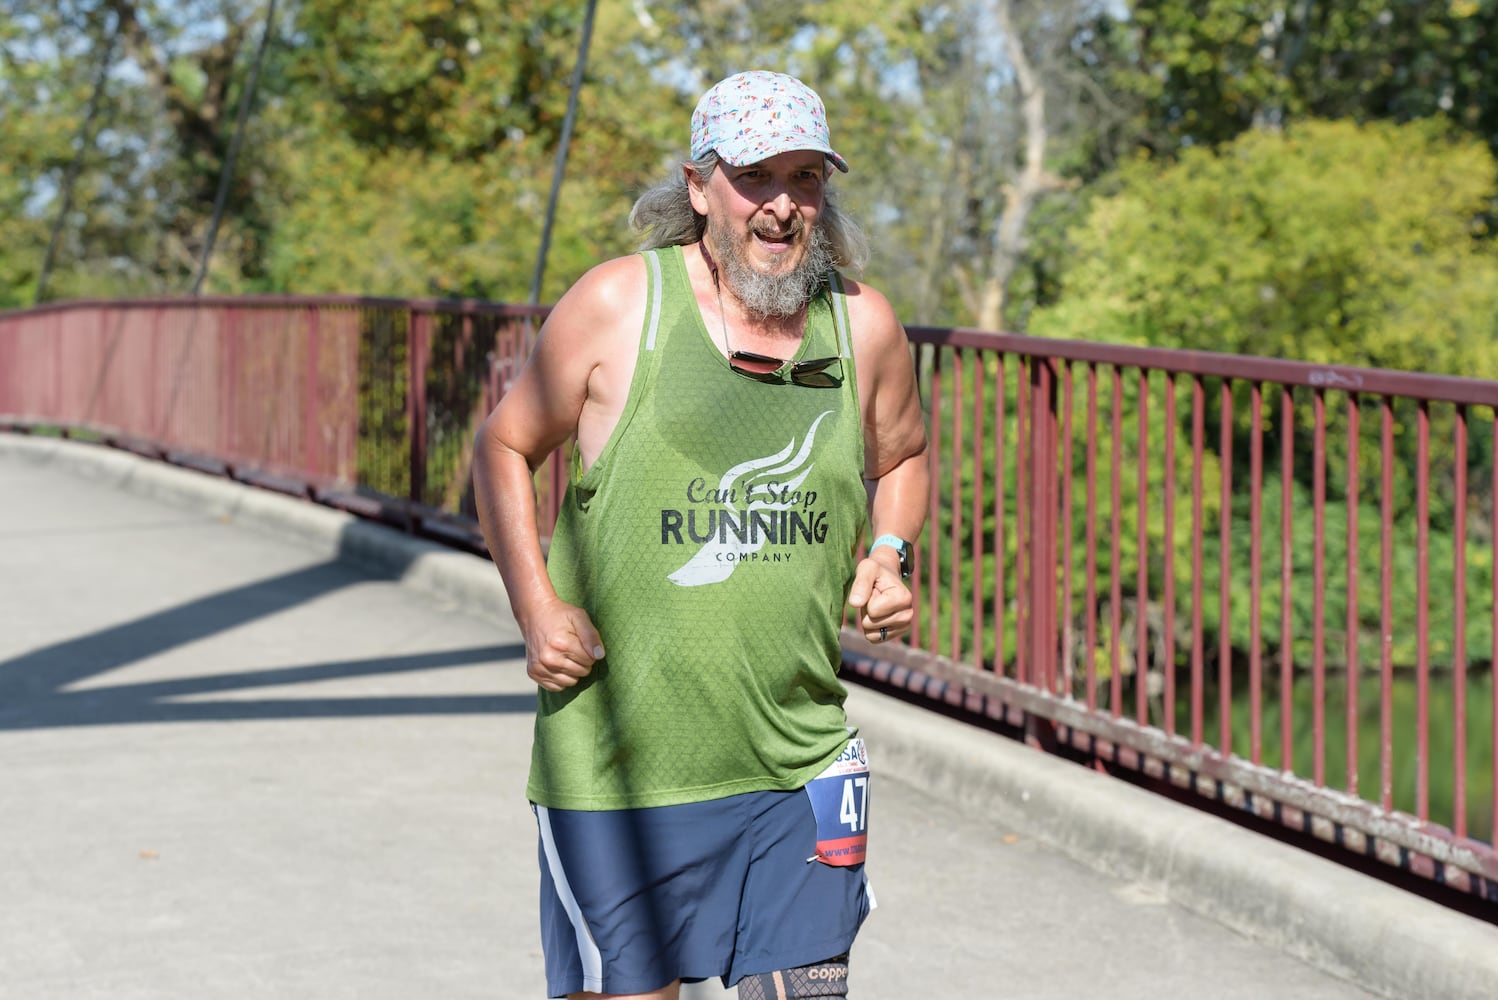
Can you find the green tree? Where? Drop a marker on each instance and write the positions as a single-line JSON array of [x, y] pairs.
[[1332, 242], [45, 85], [421, 166], [1208, 71], [149, 176]]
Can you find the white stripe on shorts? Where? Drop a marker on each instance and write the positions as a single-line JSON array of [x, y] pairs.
[[587, 948]]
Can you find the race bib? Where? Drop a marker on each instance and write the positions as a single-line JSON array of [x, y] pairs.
[[840, 802]]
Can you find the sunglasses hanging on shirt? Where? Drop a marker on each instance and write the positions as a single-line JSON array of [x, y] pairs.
[[815, 373]]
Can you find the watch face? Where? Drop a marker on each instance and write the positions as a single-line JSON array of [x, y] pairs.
[[904, 550]]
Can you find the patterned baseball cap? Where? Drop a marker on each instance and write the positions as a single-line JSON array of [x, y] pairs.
[[755, 115]]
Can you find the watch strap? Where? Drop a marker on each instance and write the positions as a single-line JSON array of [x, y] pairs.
[[902, 549]]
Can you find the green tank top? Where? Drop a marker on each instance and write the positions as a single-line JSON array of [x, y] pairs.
[[713, 544]]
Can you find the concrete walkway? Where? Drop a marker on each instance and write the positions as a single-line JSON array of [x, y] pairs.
[[253, 748]]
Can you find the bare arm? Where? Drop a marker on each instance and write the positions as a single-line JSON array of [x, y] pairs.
[[568, 386], [894, 460]]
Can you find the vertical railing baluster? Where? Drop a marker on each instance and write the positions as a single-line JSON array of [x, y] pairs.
[[957, 450], [1386, 607], [1068, 632], [418, 343], [980, 379], [1001, 516], [1091, 519], [1115, 566], [1458, 819], [1198, 585], [1256, 575], [1224, 575], [1168, 516], [1142, 562], [312, 463], [1422, 612], [1023, 524], [1287, 573], [1493, 631], [229, 386], [1318, 588], [1044, 563], [933, 530], [1354, 555], [923, 357]]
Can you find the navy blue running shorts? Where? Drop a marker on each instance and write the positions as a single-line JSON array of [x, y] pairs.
[[634, 899]]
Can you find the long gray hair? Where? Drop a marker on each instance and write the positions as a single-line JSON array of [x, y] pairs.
[[665, 217]]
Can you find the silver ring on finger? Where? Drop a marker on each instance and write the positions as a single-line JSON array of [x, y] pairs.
[[883, 634]]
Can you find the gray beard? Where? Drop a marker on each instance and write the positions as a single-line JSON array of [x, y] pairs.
[[780, 295]]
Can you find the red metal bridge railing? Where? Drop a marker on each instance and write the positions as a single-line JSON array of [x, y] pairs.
[[363, 403], [1263, 582]]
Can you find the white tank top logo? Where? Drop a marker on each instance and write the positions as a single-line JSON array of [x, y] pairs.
[[776, 510]]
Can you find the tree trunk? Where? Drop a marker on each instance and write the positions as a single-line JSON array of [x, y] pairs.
[[1033, 182]]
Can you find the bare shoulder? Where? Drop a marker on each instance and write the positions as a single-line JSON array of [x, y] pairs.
[[876, 328], [579, 370], [881, 350], [606, 303], [579, 376]]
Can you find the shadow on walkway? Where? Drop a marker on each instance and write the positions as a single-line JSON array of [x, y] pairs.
[[34, 687]]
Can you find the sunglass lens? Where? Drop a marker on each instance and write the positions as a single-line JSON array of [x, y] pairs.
[[821, 373]]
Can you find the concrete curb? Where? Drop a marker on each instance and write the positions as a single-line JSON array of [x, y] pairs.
[[1384, 939]]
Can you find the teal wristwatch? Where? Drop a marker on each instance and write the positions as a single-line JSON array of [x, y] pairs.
[[902, 549]]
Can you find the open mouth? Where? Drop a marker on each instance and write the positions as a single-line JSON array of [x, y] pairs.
[[777, 242]]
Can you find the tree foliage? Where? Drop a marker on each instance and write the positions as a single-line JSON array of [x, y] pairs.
[[151, 171], [1207, 72], [405, 147], [1329, 242], [447, 184]]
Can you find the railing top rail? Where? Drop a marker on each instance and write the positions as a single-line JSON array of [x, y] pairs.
[[475, 307], [1240, 367]]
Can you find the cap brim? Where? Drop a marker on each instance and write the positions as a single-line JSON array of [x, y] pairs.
[[742, 156]]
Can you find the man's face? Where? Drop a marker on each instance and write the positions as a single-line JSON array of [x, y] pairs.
[[762, 229]]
